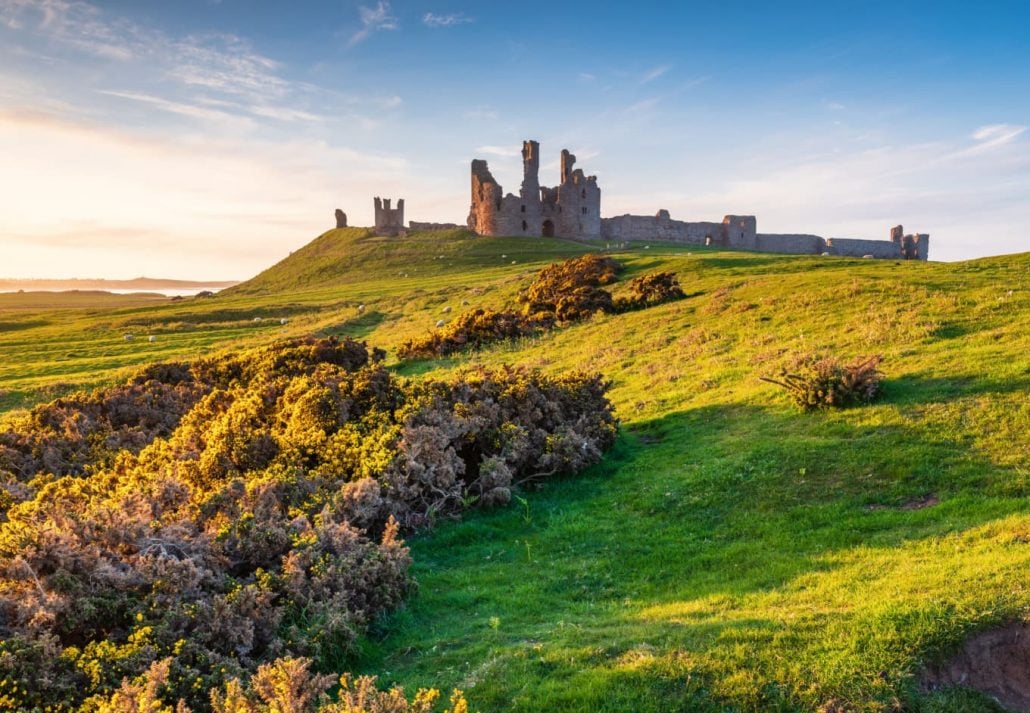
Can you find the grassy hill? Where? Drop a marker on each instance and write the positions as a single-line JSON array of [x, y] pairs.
[[730, 553]]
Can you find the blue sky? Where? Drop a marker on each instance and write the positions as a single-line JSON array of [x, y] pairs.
[[208, 139]]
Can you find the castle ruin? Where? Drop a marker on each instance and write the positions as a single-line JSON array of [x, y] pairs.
[[388, 221], [572, 209]]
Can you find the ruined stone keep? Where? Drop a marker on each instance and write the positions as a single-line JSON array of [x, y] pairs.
[[389, 221], [572, 209]]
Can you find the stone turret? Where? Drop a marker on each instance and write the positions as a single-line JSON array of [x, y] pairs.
[[389, 221], [341, 219], [571, 209]]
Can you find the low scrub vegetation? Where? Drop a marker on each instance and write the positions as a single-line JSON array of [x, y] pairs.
[[284, 686], [826, 382], [562, 293], [214, 517]]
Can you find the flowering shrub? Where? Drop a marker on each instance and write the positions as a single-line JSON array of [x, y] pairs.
[[469, 330], [258, 523], [651, 289], [815, 383], [562, 293]]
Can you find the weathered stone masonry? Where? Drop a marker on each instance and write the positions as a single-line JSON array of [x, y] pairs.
[[572, 209], [389, 221]]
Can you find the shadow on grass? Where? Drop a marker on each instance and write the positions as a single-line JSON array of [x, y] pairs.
[[916, 389], [538, 607], [20, 325], [356, 327]]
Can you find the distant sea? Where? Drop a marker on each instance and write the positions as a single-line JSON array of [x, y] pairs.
[[166, 291]]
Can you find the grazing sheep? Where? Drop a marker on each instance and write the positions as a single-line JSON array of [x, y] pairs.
[[868, 257], [151, 339], [361, 309], [129, 337], [513, 262], [464, 303], [827, 254], [440, 323], [504, 257], [257, 319], [446, 309], [283, 320]]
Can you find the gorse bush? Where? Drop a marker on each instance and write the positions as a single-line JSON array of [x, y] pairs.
[[815, 383], [651, 289], [571, 290], [284, 686], [261, 520], [469, 330], [562, 293]]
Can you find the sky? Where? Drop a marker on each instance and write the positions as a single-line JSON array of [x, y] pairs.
[[206, 139]]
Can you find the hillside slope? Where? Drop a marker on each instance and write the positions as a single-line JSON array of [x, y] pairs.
[[731, 553]]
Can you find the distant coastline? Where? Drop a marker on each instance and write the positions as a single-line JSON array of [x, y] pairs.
[[140, 284]]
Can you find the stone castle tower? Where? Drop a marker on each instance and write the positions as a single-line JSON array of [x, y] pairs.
[[389, 221], [571, 209]]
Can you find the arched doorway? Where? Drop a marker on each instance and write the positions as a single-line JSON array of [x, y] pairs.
[[548, 229]]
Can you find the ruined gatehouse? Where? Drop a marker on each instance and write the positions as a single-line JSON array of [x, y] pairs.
[[572, 209]]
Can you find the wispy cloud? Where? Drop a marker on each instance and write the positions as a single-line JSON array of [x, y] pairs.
[[432, 19], [505, 151], [374, 19], [192, 111], [654, 73], [998, 134], [283, 193]]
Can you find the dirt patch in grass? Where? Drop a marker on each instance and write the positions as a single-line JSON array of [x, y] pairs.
[[920, 503], [915, 504], [994, 662]]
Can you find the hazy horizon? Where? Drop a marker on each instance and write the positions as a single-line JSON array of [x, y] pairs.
[[207, 139]]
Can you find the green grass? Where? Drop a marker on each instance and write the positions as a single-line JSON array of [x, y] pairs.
[[730, 553]]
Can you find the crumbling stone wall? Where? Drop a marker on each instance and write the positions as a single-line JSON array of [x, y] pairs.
[[736, 231], [849, 247], [792, 243], [341, 219], [913, 247], [416, 225], [389, 221], [571, 209]]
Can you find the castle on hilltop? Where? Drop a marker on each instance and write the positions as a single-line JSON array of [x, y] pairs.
[[572, 209]]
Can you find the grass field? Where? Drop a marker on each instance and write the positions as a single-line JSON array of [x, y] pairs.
[[730, 553]]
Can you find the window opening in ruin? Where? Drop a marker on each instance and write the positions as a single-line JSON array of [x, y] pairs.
[[548, 230], [524, 226], [583, 193], [584, 210], [523, 209]]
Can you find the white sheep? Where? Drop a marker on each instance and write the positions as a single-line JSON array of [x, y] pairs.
[[440, 323], [257, 319], [151, 339], [446, 309], [361, 309], [283, 320], [129, 337]]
